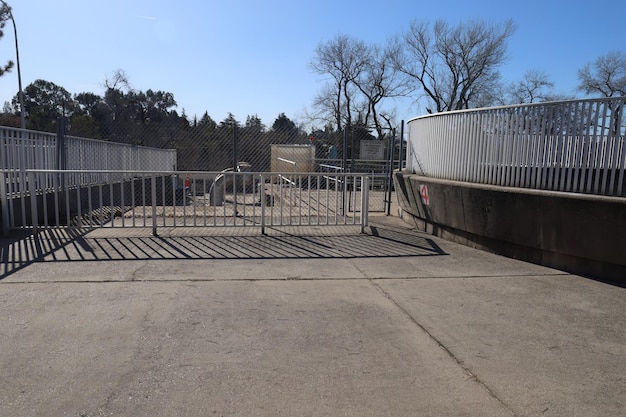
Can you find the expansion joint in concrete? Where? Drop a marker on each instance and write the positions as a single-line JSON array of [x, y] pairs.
[[451, 354]]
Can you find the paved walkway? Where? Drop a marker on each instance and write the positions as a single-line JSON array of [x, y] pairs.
[[323, 322]]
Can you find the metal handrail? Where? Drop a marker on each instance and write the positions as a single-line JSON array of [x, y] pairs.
[[571, 146]]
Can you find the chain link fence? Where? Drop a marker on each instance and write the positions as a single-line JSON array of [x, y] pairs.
[[230, 146], [189, 152]]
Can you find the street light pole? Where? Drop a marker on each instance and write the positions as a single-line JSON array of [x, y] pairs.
[[19, 73]]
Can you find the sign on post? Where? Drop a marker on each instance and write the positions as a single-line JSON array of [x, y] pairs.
[[372, 150]]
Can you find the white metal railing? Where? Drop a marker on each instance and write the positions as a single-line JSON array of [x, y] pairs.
[[26, 149], [159, 199], [573, 146], [22, 149]]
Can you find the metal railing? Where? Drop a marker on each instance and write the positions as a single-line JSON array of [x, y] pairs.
[[168, 199], [27, 149], [572, 146], [21, 150]]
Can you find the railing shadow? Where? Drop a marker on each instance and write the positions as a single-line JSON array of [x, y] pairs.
[[80, 245]]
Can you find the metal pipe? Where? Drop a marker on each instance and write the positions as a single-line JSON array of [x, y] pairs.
[[391, 162]]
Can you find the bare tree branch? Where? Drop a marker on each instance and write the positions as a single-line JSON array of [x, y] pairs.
[[453, 65]]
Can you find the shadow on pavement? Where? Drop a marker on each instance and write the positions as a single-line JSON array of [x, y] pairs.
[[76, 245]]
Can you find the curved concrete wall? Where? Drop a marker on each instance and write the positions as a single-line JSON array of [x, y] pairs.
[[583, 234]]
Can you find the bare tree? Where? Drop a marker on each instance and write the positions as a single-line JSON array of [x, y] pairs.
[[606, 76], [344, 59], [377, 82], [453, 66], [533, 87]]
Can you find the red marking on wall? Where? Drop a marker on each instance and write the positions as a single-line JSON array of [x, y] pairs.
[[424, 194]]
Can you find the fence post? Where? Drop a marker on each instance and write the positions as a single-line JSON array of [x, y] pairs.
[[32, 189], [365, 196], [61, 154], [4, 204], [154, 200], [401, 154], [392, 146], [263, 203]]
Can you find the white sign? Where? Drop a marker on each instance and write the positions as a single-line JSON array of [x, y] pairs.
[[372, 150]]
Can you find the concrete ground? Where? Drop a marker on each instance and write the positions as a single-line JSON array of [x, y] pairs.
[[302, 322]]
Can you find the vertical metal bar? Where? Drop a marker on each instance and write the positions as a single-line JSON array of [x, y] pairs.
[[224, 188], [133, 200], [163, 199], [622, 148], [66, 190], [491, 145], [309, 198], [616, 115], [122, 200], [606, 141], [143, 198], [4, 203], [590, 151], [192, 200], [272, 194], [204, 202], [173, 181], [263, 202], [391, 161], [245, 197], [101, 203], [364, 202], [550, 159], [291, 185], [572, 110], [111, 198], [541, 155], [33, 203], [154, 203], [339, 193], [402, 155], [583, 141], [89, 205], [328, 180], [600, 167], [514, 168]]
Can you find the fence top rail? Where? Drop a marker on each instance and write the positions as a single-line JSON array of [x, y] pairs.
[[38, 132], [519, 106], [286, 173]]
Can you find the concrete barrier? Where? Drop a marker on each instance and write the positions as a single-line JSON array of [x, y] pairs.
[[582, 234]]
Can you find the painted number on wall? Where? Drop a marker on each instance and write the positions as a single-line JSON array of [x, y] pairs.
[[424, 194]]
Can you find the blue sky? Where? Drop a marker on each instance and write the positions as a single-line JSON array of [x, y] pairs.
[[251, 57]]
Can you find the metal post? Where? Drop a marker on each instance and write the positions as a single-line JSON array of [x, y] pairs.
[[32, 189], [365, 189], [263, 202], [235, 169], [401, 154], [154, 202], [4, 204], [344, 156], [391, 162], [344, 165]]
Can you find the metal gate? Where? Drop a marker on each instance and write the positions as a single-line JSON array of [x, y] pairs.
[[170, 199]]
